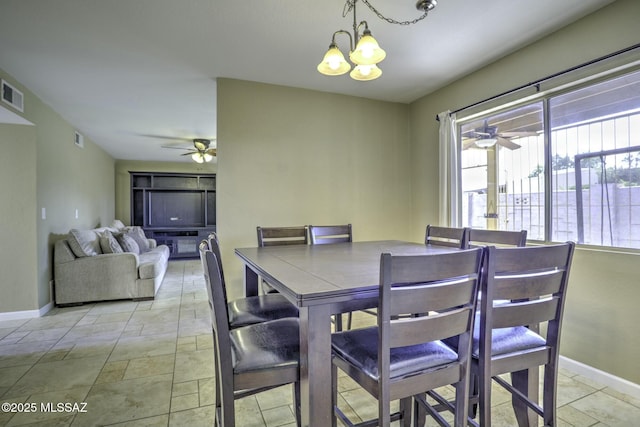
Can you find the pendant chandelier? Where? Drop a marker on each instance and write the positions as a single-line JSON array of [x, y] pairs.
[[364, 50]]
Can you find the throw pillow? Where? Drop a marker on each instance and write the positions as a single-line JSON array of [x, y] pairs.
[[117, 224], [127, 243], [138, 235], [109, 244], [84, 243]]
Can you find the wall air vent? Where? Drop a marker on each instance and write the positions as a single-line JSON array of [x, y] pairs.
[[78, 139], [12, 96]]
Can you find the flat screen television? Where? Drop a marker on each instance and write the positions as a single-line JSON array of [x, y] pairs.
[[176, 209]]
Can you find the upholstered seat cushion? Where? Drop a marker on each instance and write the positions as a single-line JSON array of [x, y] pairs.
[[504, 340], [266, 345], [360, 348], [508, 340], [247, 311]]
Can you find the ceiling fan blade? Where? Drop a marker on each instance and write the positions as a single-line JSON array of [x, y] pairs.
[[507, 143], [167, 137], [175, 148], [189, 153], [211, 151], [513, 134], [468, 144]]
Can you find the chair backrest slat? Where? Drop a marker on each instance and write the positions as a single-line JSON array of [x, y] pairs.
[[328, 234], [278, 236], [525, 313], [412, 269], [418, 330], [527, 287], [435, 297], [447, 236], [479, 237]]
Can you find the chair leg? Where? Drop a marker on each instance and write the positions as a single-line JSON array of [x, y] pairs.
[[462, 404], [419, 414], [523, 381], [338, 322], [550, 390], [349, 320], [227, 400], [296, 402], [474, 389], [405, 412], [484, 398], [334, 393]]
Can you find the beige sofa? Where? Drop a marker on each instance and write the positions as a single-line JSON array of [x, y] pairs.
[[90, 266]]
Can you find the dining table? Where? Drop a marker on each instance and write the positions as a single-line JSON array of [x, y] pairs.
[[323, 280]]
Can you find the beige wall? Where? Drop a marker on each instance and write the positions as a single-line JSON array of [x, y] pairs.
[[292, 157], [65, 178], [600, 316], [123, 179], [18, 224]]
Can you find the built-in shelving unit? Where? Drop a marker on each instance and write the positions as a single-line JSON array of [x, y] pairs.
[[178, 210]]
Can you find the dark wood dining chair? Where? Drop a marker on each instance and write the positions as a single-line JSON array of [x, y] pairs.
[[278, 236], [422, 300], [447, 236], [323, 234], [253, 309], [249, 359], [479, 237], [521, 289], [330, 234], [281, 236]]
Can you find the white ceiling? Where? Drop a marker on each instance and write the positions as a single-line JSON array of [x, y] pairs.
[[130, 74]]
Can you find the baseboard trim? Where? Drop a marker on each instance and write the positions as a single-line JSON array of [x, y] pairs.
[[602, 377], [26, 314]]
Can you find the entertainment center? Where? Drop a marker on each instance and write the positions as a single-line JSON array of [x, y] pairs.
[[175, 209]]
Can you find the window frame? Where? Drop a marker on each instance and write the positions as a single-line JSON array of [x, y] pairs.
[[574, 80]]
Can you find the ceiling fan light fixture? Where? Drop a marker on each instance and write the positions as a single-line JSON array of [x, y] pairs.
[[486, 142], [201, 144], [197, 157]]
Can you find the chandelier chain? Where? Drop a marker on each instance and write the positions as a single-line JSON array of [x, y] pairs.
[[350, 4]]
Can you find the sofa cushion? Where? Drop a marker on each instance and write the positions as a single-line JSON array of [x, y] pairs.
[[137, 234], [127, 243], [153, 263], [84, 243], [109, 244]]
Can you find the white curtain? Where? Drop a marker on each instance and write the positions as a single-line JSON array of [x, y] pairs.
[[449, 171]]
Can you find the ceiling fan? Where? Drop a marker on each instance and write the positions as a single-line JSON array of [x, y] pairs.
[[488, 136], [200, 152]]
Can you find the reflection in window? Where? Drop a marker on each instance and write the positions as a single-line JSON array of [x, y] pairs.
[[502, 174]]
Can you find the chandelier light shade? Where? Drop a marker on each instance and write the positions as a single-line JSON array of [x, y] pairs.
[[365, 73], [333, 63], [364, 50], [367, 51]]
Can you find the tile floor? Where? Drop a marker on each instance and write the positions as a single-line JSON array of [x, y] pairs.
[[150, 364]]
